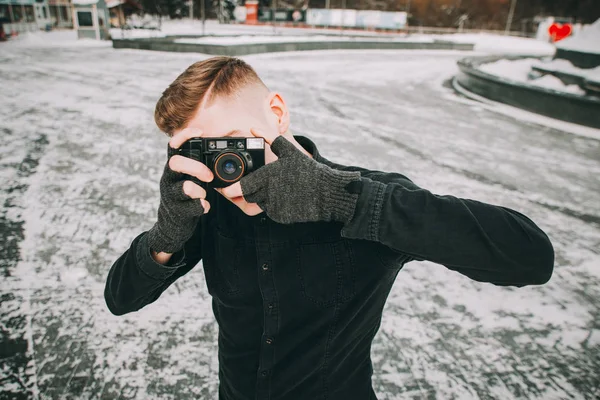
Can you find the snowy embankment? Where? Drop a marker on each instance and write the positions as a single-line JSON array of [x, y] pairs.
[[587, 40], [521, 71], [539, 72], [484, 42], [498, 44]]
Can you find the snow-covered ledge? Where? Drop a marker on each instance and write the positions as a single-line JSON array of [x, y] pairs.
[[240, 45], [583, 49], [512, 80]]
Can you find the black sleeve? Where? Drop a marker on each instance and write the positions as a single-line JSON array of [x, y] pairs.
[[136, 280], [487, 243]]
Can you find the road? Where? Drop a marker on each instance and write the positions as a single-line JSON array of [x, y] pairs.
[[81, 159]]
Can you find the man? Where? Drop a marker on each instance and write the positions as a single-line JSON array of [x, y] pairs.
[[300, 255]]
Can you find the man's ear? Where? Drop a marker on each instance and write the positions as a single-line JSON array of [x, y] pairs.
[[278, 107]]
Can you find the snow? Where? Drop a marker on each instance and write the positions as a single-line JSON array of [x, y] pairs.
[[253, 39], [519, 70], [566, 67], [80, 167], [587, 40], [499, 44], [118, 33], [552, 82], [56, 39], [114, 3], [516, 70]]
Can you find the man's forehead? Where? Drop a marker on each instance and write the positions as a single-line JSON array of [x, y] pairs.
[[233, 132], [214, 123]]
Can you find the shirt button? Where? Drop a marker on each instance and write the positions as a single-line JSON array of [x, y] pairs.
[[269, 341], [265, 267], [263, 220], [264, 373], [270, 306]]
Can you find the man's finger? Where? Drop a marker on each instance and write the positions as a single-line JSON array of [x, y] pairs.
[[197, 207], [188, 166], [193, 190], [256, 181], [269, 138], [205, 205], [282, 147], [184, 135], [232, 191]]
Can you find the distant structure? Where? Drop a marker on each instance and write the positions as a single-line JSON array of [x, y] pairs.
[[61, 13], [20, 16], [91, 19]]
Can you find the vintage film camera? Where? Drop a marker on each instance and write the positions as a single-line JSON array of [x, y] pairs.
[[229, 158]]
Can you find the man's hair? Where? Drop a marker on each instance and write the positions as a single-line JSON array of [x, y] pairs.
[[216, 76]]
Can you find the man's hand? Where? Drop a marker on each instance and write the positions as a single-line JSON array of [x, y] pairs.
[[296, 188], [182, 202]]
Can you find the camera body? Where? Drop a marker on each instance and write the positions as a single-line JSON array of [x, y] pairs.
[[229, 158]]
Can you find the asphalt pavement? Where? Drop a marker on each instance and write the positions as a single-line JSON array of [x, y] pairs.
[[80, 163]]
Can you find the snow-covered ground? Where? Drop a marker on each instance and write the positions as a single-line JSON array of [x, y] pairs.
[[521, 71], [497, 44], [81, 161], [58, 39]]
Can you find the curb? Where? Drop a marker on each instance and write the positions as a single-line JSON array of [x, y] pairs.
[[582, 110], [168, 44]]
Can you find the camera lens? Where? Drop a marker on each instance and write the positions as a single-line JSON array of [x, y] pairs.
[[229, 166]]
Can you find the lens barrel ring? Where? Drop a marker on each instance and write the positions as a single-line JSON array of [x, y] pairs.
[[217, 167]]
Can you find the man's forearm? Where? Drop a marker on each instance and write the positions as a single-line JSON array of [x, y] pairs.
[[482, 241], [137, 278]]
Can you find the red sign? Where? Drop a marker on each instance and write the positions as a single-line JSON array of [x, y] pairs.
[[558, 32], [251, 12]]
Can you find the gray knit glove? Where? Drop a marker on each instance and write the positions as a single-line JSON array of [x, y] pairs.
[[178, 214], [296, 188]]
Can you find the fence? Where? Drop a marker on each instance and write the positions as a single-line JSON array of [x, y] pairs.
[[20, 27], [361, 20]]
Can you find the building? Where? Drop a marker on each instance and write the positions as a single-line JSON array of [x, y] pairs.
[[61, 13], [24, 15], [91, 19]]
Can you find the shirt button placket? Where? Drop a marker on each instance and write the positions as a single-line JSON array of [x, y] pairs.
[[266, 282]]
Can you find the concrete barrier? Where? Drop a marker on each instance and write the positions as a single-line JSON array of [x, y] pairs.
[[583, 110], [579, 59], [168, 44]]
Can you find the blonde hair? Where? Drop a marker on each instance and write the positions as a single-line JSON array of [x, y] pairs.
[[216, 76]]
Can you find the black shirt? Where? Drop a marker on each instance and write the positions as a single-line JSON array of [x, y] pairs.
[[298, 305]]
